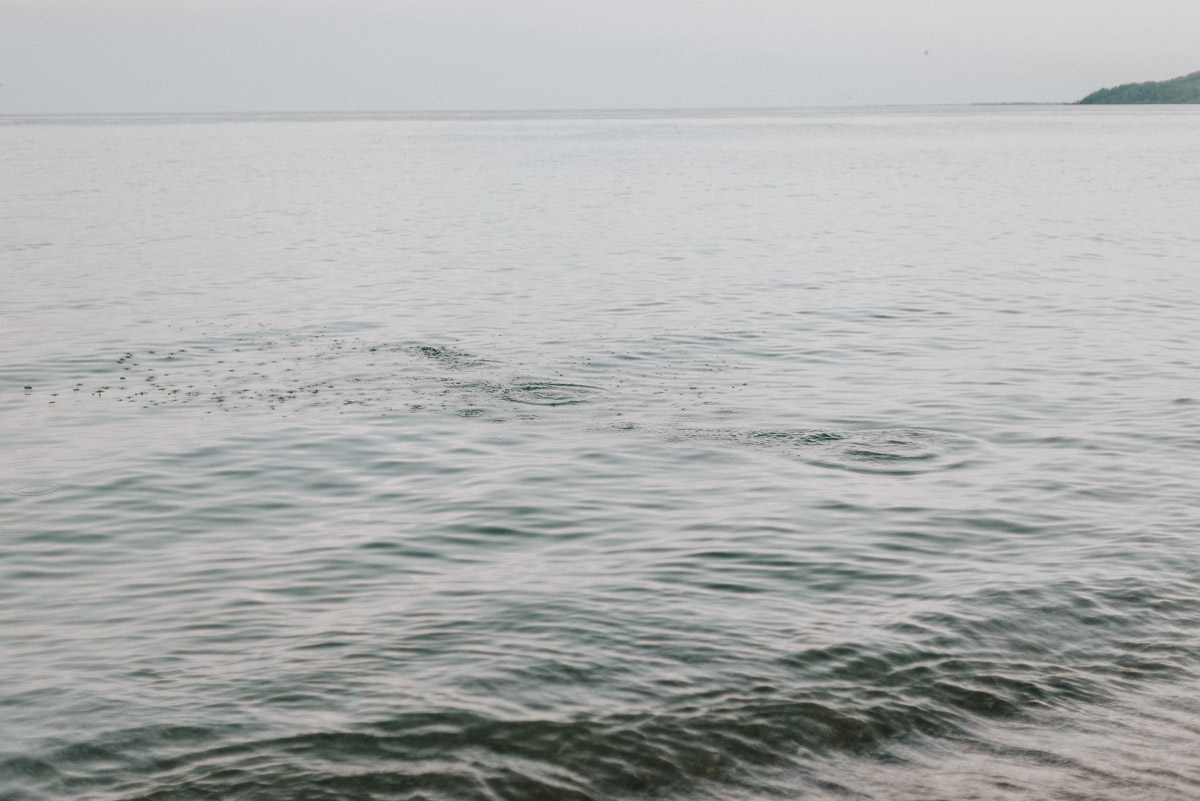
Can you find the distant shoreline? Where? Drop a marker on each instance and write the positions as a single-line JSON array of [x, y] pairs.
[[1184, 89]]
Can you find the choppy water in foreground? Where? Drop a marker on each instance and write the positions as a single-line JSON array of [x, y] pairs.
[[829, 455]]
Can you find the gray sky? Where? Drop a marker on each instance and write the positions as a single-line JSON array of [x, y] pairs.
[[361, 55]]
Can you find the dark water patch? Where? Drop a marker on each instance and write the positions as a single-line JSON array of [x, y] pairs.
[[692, 726], [20, 769], [689, 750], [853, 700]]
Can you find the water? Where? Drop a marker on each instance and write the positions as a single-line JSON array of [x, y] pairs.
[[813, 454]]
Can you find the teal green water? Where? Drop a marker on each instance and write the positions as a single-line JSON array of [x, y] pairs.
[[754, 455]]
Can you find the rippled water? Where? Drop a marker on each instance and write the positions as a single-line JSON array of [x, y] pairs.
[[817, 454]]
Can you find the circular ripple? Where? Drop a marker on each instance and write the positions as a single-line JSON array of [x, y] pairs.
[[36, 489], [547, 393], [890, 451], [895, 451]]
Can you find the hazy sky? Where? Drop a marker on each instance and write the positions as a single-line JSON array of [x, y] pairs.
[[299, 55]]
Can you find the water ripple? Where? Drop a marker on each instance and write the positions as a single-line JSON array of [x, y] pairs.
[[547, 393], [36, 489], [888, 451]]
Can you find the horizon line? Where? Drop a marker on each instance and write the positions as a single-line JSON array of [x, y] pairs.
[[528, 110]]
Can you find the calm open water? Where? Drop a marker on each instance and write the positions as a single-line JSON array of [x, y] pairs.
[[592, 457]]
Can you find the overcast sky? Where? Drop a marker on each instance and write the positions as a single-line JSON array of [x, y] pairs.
[[366, 55]]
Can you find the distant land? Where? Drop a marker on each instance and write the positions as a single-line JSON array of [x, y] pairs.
[[1184, 89]]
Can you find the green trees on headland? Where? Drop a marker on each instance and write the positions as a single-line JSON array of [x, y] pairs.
[[1185, 89]]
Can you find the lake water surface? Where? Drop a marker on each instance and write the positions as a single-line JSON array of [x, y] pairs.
[[589, 457]]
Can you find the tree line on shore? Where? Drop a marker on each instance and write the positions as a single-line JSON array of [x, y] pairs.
[[1184, 89]]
